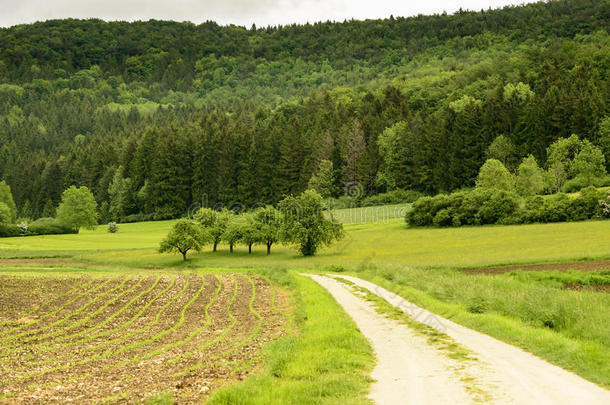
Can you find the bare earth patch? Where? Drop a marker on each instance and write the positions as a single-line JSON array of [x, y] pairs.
[[125, 338]]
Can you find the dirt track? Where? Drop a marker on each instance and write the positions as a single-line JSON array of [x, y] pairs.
[[411, 370]]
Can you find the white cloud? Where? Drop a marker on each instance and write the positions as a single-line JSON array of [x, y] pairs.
[[240, 12]]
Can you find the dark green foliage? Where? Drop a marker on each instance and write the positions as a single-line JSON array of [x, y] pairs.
[[193, 114], [9, 230]]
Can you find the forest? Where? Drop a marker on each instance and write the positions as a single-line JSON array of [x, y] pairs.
[[160, 118]]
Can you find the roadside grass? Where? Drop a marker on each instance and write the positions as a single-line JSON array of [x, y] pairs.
[[567, 328], [324, 361]]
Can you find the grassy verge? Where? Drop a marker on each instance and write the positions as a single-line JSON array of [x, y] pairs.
[[324, 360], [567, 328]]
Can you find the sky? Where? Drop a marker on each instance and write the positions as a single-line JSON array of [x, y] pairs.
[[239, 12]]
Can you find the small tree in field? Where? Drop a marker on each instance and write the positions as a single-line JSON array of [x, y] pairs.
[[493, 174], [305, 224], [268, 221], [250, 234], [77, 208], [232, 234], [214, 222], [184, 236]]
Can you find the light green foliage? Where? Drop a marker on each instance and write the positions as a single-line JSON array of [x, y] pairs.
[[590, 164], [268, 221], [214, 222], [463, 103], [305, 224], [185, 235], [8, 213], [603, 138], [530, 178], [560, 156], [502, 149], [233, 233], [493, 174], [391, 150], [250, 233], [77, 208], [520, 92], [6, 216], [324, 180]]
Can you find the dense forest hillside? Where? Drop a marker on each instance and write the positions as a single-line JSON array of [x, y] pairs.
[[156, 116]]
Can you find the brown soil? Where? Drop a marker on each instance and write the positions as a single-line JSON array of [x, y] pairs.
[[42, 260], [605, 288], [128, 338], [592, 265]]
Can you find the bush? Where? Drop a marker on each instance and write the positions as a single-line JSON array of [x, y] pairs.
[[500, 205], [9, 230], [113, 227], [49, 226], [392, 197]]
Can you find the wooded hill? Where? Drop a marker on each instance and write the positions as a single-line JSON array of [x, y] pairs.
[[155, 116]]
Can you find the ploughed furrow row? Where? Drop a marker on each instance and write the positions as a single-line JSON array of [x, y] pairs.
[[29, 321], [42, 353], [128, 338], [85, 324], [16, 310], [73, 311]]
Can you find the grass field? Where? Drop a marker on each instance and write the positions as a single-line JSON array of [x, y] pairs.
[[561, 317]]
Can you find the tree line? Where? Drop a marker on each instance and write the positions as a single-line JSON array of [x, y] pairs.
[[412, 104], [298, 221]]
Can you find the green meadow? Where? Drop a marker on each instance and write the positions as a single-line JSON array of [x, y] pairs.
[[385, 243], [533, 310]]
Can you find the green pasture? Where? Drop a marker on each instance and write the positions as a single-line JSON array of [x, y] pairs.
[[388, 242]]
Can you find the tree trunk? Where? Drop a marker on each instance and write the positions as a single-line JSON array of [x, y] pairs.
[[183, 255], [268, 248], [231, 248], [215, 244], [249, 248]]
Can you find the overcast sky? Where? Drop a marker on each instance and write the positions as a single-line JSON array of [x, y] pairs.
[[240, 12]]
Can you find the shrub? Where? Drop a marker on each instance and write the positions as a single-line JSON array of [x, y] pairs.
[[49, 226], [392, 197], [9, 230], [556, 208], [113, 227], [501, 204]]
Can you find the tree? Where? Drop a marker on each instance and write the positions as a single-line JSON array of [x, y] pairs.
[[268, 220], [77, 208], [233, 233], [502, 149], [250, 234], [118, 193], [9, 214], [589, 164], [214, 222], [603, 139], [493, 174], [560, 157], [305, 224], [324, 180], [6, 216], [184, 236], [530, 177]]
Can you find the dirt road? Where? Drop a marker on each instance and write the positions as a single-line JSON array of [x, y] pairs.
[[410, 370]]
